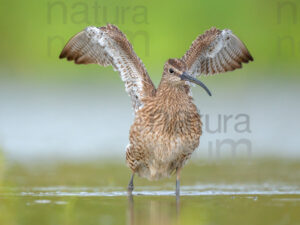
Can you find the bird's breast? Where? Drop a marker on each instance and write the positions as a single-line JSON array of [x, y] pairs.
[[163, 138], [164, 130]]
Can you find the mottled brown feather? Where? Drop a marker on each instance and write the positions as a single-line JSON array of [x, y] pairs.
[[85, 48], [216, 51]]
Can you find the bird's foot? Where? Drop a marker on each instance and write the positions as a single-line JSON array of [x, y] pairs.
[[130, 189], [177, 188]]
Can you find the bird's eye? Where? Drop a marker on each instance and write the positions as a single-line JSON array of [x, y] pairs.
[[171, 70]]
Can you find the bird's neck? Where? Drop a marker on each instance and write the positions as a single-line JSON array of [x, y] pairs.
[[173, 92]]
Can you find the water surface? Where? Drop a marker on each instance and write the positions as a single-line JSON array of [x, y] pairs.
[[233, 193]]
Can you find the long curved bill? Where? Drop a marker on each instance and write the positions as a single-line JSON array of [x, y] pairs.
[[188, 77]]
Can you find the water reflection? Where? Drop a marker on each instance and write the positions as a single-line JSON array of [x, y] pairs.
[[145, 209], [153, 211], [130, 210], [219, 210], [265, 192]]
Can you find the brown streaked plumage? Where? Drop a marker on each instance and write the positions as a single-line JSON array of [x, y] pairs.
[[167, 125]]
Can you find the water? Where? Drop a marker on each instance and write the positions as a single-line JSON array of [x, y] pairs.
[[67, 205], [86, 193], [196, 190]]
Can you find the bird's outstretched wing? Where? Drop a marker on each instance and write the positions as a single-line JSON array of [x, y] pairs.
[[109, 46], [216, 51]]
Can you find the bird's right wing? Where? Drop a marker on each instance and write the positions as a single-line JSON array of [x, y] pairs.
[[216, 51], [109, 46]]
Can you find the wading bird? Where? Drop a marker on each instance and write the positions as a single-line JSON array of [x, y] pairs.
[[167, 125]]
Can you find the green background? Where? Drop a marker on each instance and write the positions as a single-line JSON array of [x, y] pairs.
[[34, 32]]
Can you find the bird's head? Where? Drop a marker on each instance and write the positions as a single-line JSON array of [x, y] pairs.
[[175, 72]]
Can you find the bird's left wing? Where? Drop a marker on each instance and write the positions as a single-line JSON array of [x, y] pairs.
[[216, 51], [109, 46]]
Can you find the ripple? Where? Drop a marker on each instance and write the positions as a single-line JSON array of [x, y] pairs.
[[195, 190], [42, 201]]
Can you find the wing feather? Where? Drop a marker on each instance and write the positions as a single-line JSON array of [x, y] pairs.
[[216, 51], [109, 46]]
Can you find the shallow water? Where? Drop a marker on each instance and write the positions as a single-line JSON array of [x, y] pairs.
[[196, 190], [234, 192], [67, 205]]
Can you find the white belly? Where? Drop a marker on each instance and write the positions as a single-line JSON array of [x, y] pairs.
[[165, 157]]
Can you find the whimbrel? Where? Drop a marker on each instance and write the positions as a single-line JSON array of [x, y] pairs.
[[167, 125]]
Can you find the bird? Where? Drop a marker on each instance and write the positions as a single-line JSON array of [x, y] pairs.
[[167, 125]]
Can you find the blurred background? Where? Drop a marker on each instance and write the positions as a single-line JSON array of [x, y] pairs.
[[73, 120]]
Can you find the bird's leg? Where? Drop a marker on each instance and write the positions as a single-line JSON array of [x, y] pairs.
[[177, 182], [130, 185]]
